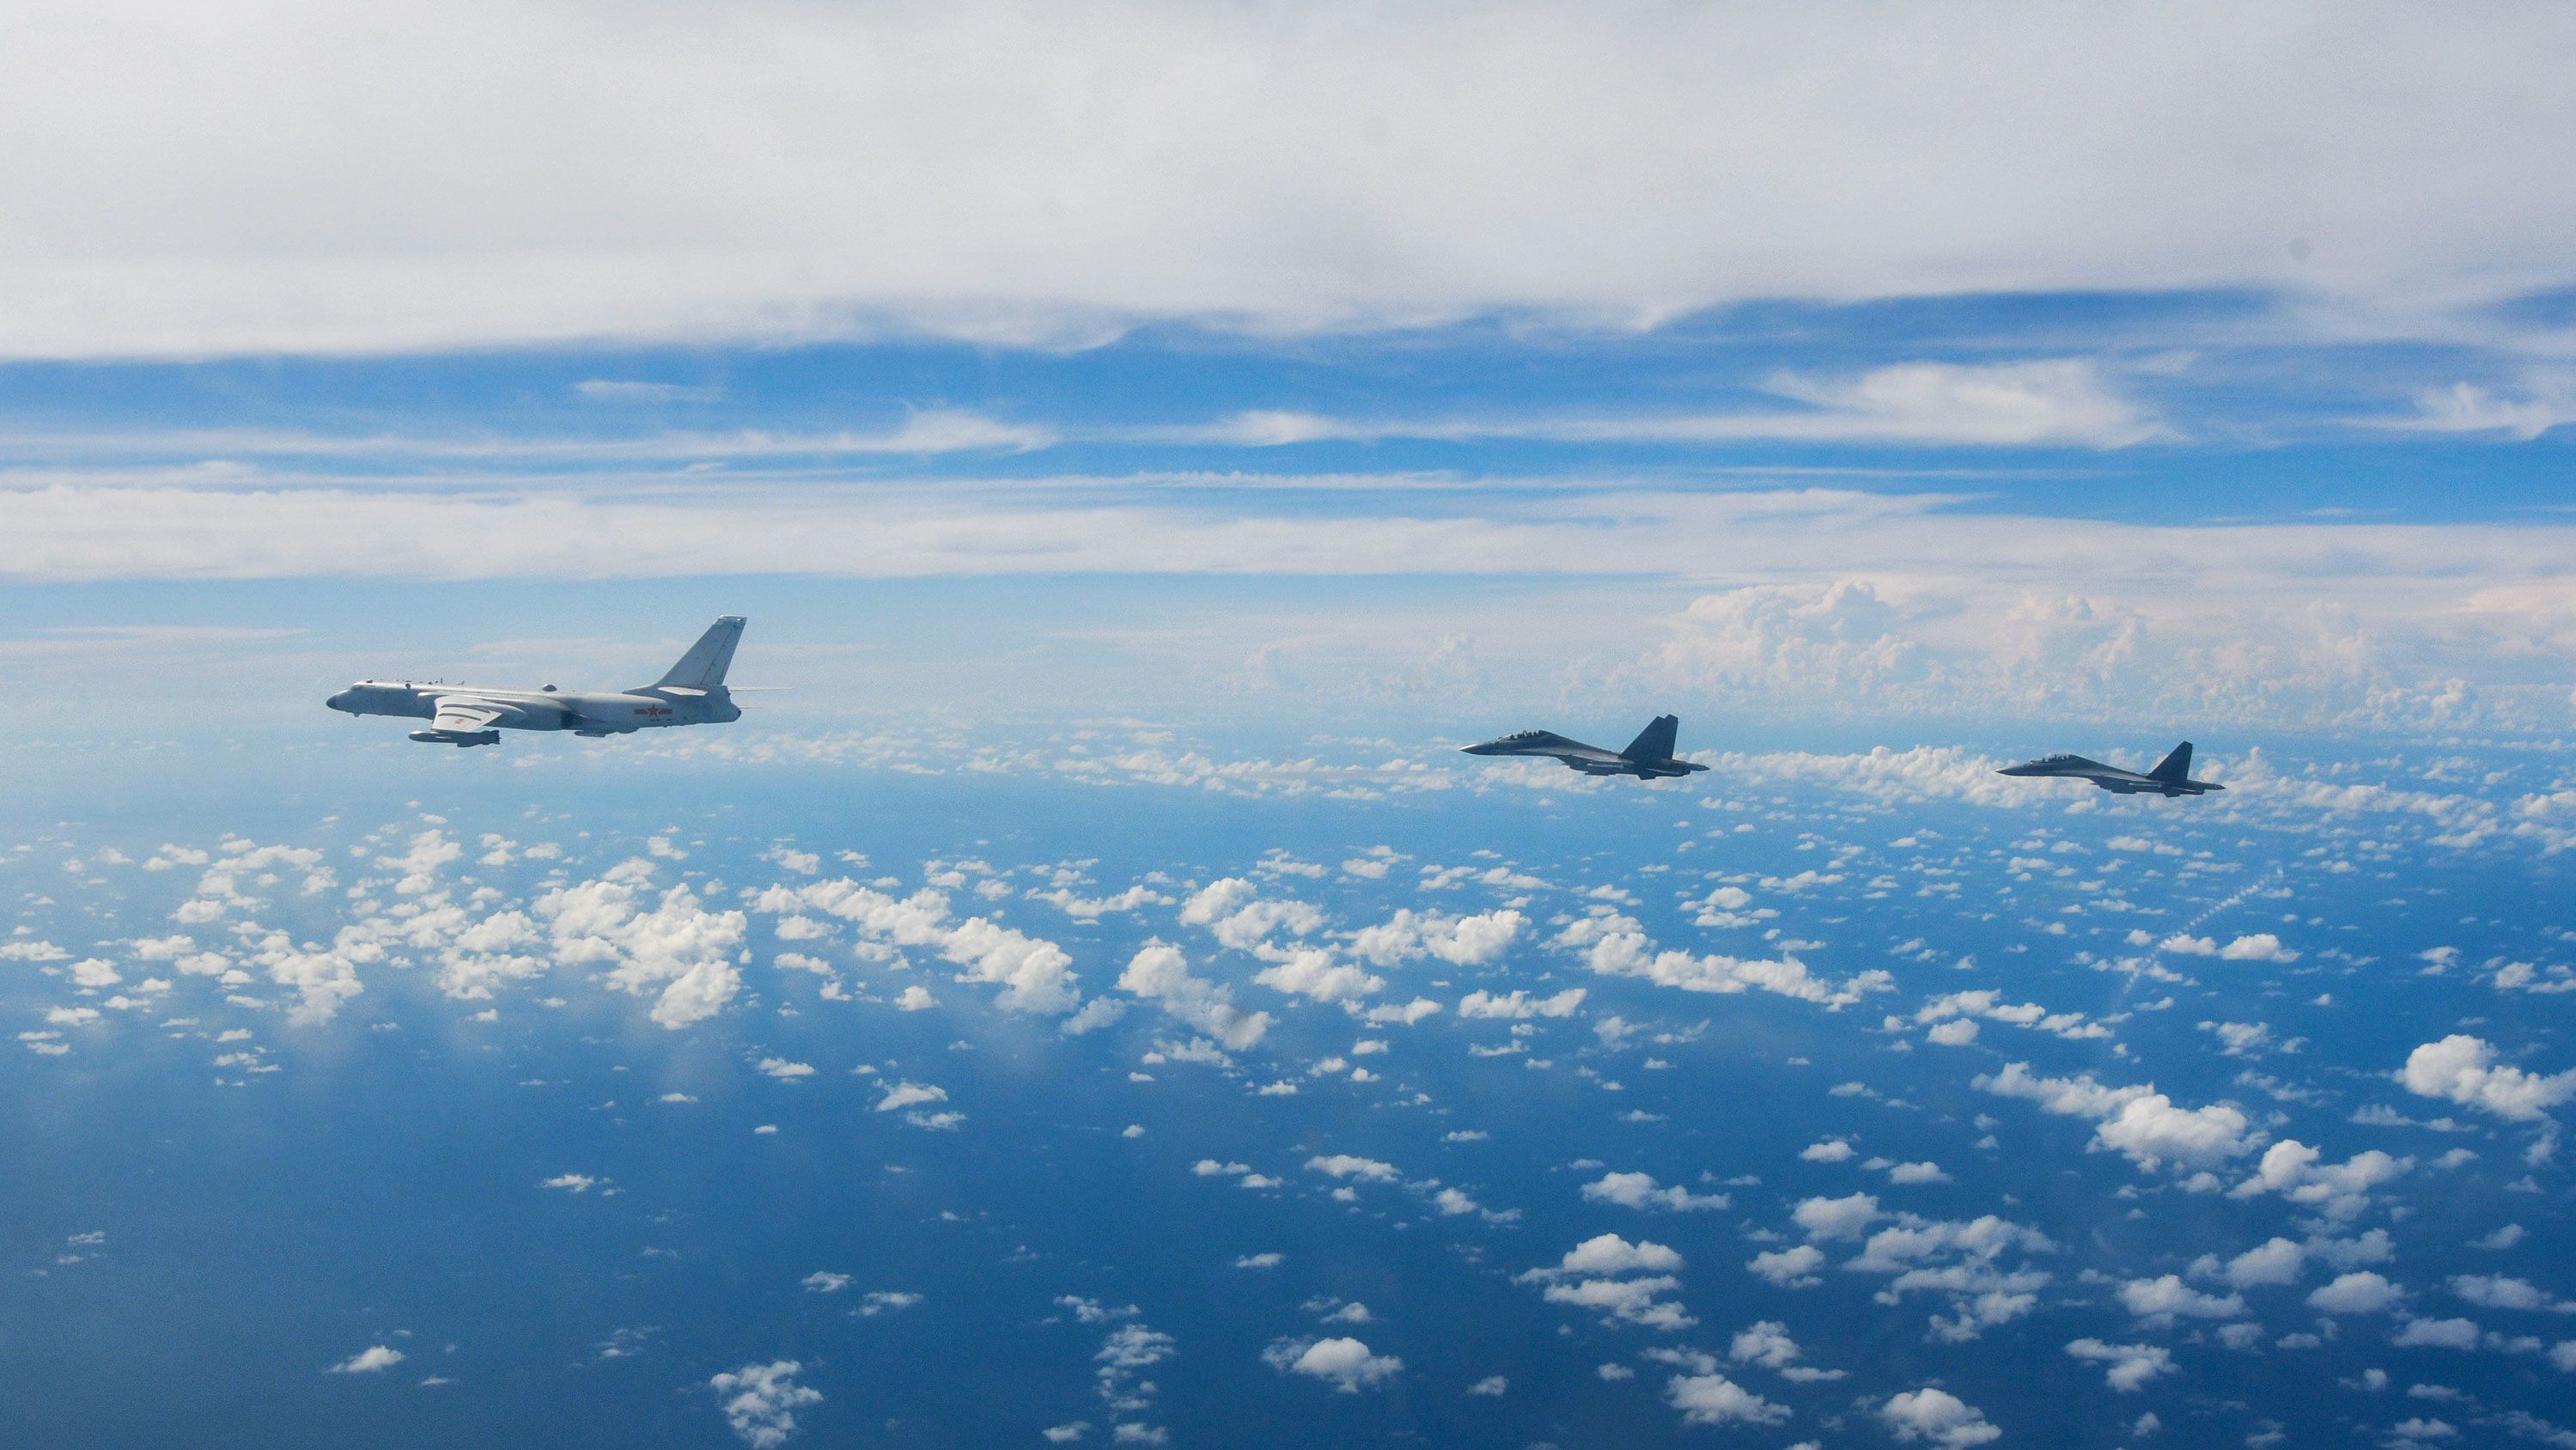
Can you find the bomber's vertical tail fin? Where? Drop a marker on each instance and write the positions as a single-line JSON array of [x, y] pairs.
[[1655, 742], [2176, 766], [704, 666]]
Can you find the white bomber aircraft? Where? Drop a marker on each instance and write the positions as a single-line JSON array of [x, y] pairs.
[[692, 692]]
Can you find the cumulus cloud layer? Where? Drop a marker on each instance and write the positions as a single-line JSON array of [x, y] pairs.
[[2462, 1069], [1035, 974], [761, 1401]]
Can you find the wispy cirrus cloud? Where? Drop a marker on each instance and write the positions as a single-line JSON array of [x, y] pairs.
[[2057, 401], [923, 432], [2545, 399]]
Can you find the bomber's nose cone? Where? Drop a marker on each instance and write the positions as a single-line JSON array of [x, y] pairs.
[[339, 701]]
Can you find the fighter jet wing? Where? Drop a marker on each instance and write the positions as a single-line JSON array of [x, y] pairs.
[[464, 714]]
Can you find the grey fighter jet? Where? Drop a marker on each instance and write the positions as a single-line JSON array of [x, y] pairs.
[[1648, 757], [2171, 777], [692, 692]]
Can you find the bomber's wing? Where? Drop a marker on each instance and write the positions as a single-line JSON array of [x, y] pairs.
[[464, 714]]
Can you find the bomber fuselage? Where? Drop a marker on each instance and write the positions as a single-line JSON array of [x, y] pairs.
[[583, 712]]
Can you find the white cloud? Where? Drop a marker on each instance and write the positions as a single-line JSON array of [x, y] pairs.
[[1630, 1301], [1712, 1399], [1519, 1004], [2046, 401], [1161, 974], [1938, 1417], [2273, 1262], [1346, 1363], [1345, 1165], [2461, 1069], [478, 959], [1312, 972], [1639, 1191], [1462, 941], [674, 945], [2436, 1334], [1791, 1268], [2340, 1190], [910, 1094], [2259, 947], [2138, 1121], [1836, 1218], [617, 390], [1964, 1262], [784, 1070], [2495, 1291], [1611, 1254], [2162, 1299], [1617, 945], [2361, 1292], [761, 1400], [1035, 974], [2549, 402], [373, 1359], [1767, 1343], [966, 187], [2152, 1129], [1587, 1278], [2131, 1366]]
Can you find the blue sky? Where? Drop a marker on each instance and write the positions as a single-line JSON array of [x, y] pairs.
[[1269, 360], [1812, 501]]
